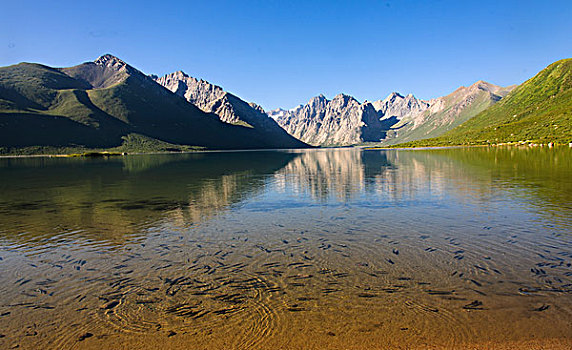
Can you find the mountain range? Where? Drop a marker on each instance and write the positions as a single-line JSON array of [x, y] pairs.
[[341, 121], [109, 105], [344, 121], [228, 107]]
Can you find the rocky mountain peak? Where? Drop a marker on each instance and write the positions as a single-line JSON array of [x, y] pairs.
[[485, 86], [344, 97], [175, 76], [343, 100], [345, 121], [339, 121], [106, 71], [466, 93], [179, 74], [110, 61], [319, 100], [393, 96]]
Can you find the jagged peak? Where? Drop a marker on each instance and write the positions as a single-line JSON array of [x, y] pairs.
[[394, 95], [344, 97], [180, 73], [106, 57], [185, 78], [317, 99], [108, 60]]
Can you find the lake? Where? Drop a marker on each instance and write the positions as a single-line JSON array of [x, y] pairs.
[[314, 249]]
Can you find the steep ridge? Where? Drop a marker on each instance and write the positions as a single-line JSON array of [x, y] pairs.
[[103, 104], [229, 108]]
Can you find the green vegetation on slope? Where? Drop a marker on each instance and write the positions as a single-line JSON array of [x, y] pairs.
[[132, 143], [99, 107], [539, 110], [439, 123]]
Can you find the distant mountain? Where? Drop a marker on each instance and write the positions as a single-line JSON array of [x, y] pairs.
[[105, 104], [228, 107], [539, 111], [341, 121], [393, 120], [425, 119]]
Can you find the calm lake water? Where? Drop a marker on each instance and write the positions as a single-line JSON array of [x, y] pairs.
[[338, 248]]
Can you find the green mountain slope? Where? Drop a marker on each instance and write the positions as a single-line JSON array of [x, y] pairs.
[[539, 110], [105, 104]]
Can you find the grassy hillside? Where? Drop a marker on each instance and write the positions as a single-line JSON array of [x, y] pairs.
[[44, 109], [539, 110]]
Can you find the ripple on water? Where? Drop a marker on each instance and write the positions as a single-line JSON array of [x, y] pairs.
[[190, 302]]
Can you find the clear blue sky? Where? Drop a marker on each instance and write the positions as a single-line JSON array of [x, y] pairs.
[[281, 53]]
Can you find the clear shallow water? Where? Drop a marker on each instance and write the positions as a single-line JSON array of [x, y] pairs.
[[313, 249]]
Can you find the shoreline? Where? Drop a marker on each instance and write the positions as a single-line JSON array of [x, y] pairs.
[[107, 154], [423, 148], [527, 145]]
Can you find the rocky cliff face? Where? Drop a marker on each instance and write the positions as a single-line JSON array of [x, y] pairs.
[[229, 108], [398, 107], [344, 121], [338, 122]]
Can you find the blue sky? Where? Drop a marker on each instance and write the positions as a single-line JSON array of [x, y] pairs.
[[281, 53]]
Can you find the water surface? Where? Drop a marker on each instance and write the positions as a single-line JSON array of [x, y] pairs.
[[286, 249]]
